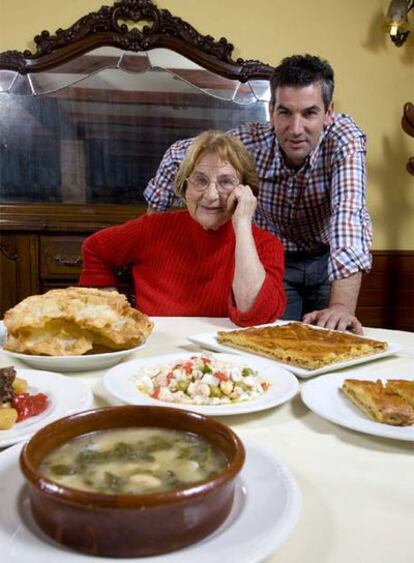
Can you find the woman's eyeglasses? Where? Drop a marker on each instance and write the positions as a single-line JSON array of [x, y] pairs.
[[224, 184]]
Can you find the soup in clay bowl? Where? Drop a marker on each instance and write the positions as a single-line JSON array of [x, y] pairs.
[[131, 512]]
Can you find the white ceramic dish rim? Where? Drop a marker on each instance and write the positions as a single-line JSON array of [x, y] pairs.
[[209, 340], [66, 396], [120, 383], [20, 538], [69, 363], [322, 396]]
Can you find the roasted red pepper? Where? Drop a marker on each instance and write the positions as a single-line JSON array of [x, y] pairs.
[[221, 375], [28, 405], [188, 367], [156, 392]]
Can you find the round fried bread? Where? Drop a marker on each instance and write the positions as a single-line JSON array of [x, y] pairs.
[[73, 321]]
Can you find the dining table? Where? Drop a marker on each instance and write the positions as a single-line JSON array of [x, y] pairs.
[[356, 489]]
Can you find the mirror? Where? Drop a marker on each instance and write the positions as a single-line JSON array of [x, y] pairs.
[[85, 120], [92, 128]]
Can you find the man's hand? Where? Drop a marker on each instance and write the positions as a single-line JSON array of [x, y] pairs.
[[339, 315], [335, 317]]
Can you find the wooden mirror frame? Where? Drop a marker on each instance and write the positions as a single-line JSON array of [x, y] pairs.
[[104, 28]]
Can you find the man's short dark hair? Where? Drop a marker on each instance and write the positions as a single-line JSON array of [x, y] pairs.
[[303, 70]]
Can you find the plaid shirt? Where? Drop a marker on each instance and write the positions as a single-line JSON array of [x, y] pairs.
[[322, 204]]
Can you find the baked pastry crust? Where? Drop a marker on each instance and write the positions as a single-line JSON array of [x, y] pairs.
[[301, 345], [403, 388], [372, 398], [73, 321]]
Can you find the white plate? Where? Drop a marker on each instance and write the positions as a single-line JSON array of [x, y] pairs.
[[69, 363], [324, 398], [265, 511], [209, 340], [121, 382], [66, 396]]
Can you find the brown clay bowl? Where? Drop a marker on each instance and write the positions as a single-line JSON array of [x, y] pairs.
[[130, 525]]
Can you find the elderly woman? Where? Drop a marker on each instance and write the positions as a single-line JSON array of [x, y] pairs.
[[207, 260]]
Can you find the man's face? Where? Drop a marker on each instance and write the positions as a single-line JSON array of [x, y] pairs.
[[298, 118]]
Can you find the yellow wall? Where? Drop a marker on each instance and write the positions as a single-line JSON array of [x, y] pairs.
[[373, 77]]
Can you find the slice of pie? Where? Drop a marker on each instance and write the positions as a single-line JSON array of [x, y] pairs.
[[301, 345], [403, 388], [372, 399]]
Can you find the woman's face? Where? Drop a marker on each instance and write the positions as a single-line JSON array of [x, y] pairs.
[[208, 205]]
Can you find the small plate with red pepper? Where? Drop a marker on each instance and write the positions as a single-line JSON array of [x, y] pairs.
[[48, 396]]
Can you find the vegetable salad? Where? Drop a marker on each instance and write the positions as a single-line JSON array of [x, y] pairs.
[[202, 380]]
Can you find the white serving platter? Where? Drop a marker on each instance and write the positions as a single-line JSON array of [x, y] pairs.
[[121, 381], [87, 362], [324, 398], [208, 340], [264, 514]]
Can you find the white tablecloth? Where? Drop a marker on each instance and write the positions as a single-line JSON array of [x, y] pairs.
[[357, 490]]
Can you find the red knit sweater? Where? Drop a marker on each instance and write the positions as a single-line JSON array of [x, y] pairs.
[[180, 269]]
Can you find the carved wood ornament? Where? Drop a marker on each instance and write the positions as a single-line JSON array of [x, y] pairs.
[[105, 28], [407, 123]]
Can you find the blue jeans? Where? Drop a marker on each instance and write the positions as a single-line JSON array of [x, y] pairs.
[[306, 283]]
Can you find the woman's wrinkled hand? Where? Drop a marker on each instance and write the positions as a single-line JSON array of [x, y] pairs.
[[244, 203]]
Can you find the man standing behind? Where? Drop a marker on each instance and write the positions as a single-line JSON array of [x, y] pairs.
[[311, 166]]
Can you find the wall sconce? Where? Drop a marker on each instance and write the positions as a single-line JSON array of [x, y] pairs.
[[397, 20]]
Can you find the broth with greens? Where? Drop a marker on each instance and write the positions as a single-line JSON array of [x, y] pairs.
[[133, 461]]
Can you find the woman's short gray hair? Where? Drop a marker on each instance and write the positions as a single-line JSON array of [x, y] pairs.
[[228, 148]]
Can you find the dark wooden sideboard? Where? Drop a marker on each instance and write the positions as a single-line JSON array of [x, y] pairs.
[[387, 293], [40, 244], [40, 250]]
